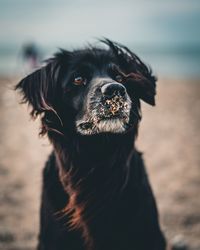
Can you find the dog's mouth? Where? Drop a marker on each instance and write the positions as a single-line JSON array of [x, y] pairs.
[[106, 116]]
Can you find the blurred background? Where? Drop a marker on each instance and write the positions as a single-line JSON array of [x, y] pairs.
[[165, 34]]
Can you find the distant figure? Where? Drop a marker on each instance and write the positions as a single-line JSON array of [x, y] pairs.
[[31, 56]]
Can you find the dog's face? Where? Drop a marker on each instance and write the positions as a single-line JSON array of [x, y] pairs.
[[96, 91], [90, 91]]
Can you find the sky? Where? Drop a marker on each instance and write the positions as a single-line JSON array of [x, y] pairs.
[[164, 33], [154, 23]]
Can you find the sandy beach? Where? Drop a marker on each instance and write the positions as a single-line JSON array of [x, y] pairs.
[[168, 136]]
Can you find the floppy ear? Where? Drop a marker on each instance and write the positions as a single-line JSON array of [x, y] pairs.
[[143, 86], [38, 88], [141, 80]]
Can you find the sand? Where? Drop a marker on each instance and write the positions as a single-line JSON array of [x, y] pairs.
[[168, 136]]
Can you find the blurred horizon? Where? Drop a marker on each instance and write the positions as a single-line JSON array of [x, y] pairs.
[[164, 34]]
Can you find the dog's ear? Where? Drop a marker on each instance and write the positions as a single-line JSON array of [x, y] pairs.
[[144, 86], [141, 80], [38, 88]]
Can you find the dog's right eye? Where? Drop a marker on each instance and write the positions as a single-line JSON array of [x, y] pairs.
[[79, 80]]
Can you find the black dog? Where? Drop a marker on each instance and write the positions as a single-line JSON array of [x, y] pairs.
[[96, 194]]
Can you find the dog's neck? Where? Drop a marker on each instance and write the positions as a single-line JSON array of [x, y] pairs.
[[94, 171], [102, 148], [94, 148]]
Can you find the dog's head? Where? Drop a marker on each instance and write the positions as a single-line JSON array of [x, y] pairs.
[[90, 91]]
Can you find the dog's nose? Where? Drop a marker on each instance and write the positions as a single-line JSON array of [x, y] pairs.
[[109, 90]]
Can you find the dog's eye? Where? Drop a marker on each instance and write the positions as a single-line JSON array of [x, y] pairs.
[[79, 80], [119, 78]]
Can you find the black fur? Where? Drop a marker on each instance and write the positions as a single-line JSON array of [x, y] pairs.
[[96, 194]]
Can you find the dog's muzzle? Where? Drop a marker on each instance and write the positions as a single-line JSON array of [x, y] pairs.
[[108, 110], [113, 100], [110, 90]]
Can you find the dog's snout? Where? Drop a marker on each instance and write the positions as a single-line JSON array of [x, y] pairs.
[[109, 90]]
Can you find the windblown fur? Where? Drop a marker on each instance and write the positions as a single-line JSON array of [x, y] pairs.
[[96, 194]]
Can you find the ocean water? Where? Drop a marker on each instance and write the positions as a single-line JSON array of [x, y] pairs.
[[164, 63], [165, 34]]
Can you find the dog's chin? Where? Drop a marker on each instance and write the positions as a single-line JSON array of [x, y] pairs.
[[114, 125], [111, 125]]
